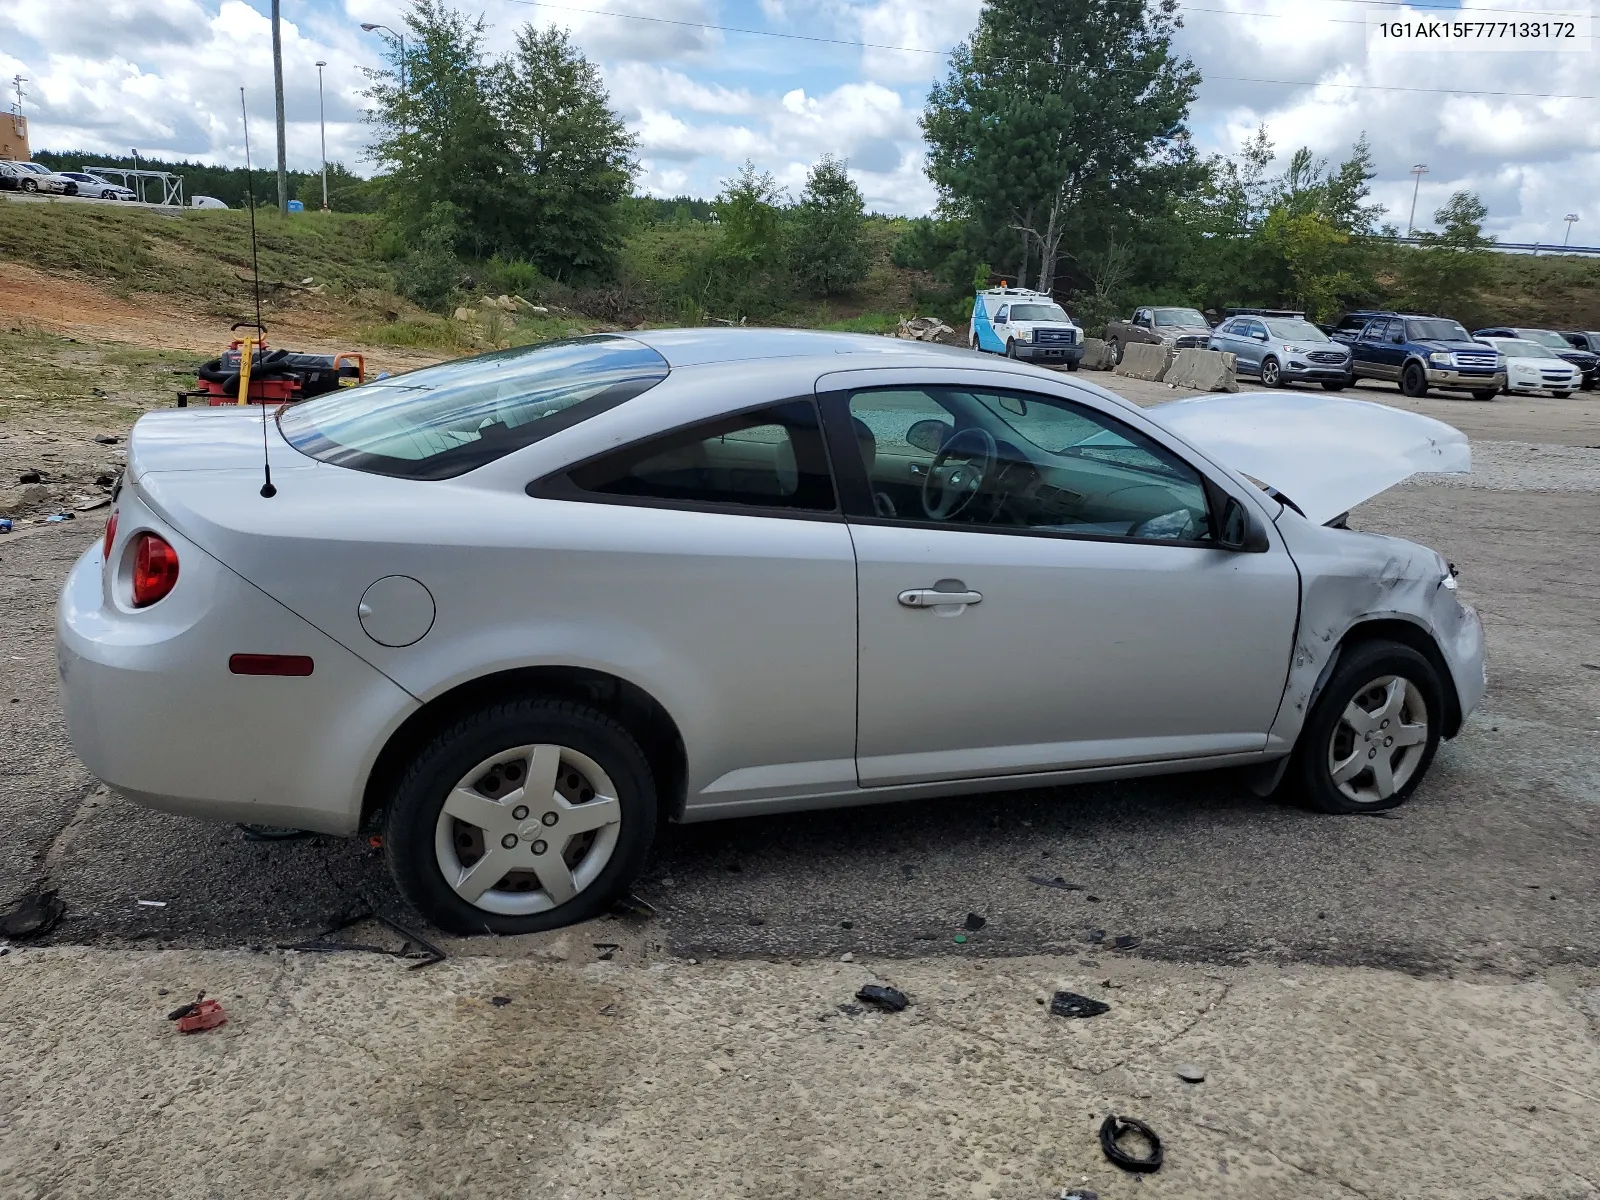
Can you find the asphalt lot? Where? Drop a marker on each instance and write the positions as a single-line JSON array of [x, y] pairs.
[[1492, 866]]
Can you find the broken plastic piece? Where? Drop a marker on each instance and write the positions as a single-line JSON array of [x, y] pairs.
[[631, 906], [1113, 1128], [887, 998], [499, 1001], [201, 1015], [1058, 883], [1070, 1004], [32, 916], [1126, 941], [975, 922]]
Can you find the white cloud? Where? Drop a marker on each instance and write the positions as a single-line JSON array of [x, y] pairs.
[[931, 25]]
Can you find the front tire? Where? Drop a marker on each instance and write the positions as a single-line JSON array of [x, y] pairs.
[[1484, 395], [1561, 395], [522, 816], [1331, 386], [1373, 731], [1072, 364], [1116, 353], [1271, 376], [1011, 348], [1413, 381]]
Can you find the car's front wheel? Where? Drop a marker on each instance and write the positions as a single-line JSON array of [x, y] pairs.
[[1271, 375], [1561, 395], [1414, 381], [522, 816], [1372, 732], [1116, 353], [1333, 385], [1011, 347], [1484, 394]]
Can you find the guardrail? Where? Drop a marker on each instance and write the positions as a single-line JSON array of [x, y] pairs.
[[1533, 248]]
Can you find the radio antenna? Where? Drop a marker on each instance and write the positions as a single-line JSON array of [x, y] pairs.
[[248, 352]]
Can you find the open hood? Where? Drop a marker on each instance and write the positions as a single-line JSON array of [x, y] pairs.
[[1325, 453]]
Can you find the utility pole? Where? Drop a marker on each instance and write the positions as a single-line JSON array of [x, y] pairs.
[[277, 85], [322, 124], [1419, 171], [1569, 219]]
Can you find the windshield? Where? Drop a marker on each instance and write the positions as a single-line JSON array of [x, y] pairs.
[[1545, 338], [1522, 348], [443, 421], [1436, 331], [1179, 316], [1297, 331], [1039, 312], [35, 168]]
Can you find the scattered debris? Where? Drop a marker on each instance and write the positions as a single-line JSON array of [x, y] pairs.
[[1111, 985], [56, 518], [32, 916], [425, 952], [201, 1015], [5, 524], [1115, 1127], [631, 906], [1093, 899], [1079, 1194], [1190, 1073], [499, 1001], [609, 1010], [847, 957], [961, 939], [607, 949], [1070, 1004], [1060, 884], [270, 833], [925, 329], [30, 477], [152, 903], [849, 1010], [1126, 941], [1095, 935], [90, 505], [847, 924], [975, 922], [107, 439], [887, 998]]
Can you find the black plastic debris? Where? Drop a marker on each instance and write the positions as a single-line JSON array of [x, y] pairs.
[[1095, 935], [30, 477], [499, 1001], [975, 922], [607, 950], [887, 998], [1060, 884], [106, 439], [32, 916], [271, 833], [1070, 1004], [1113, 1128], [1126, 941], [415, 946]]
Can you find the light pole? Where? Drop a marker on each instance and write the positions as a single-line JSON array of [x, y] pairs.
[[1419, 171], [372, 27], [277, 88], [138, 183], [322, 122], [1569, 218]]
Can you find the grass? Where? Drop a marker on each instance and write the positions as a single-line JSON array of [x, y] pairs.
[[48, 377]]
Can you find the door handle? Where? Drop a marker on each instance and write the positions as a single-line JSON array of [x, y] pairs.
[[930, 598]]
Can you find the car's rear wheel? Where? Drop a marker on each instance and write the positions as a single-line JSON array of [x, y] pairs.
[[1413, 381], [523, 816], [1271, 376], [974, 342], [1116, 352], [29, 185], [1373, 731], [70, 190]]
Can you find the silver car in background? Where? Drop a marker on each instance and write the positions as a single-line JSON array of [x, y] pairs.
[[1280, 350], [514, 609]]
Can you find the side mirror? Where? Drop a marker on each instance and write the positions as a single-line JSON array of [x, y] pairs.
[[1259, 336], [1015, 405], [1237, 529], [929, 436], [1399, 339]]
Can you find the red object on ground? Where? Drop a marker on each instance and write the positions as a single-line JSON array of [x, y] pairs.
[[206, 1014]]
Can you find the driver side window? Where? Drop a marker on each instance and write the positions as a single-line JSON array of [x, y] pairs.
[[1013, 462]]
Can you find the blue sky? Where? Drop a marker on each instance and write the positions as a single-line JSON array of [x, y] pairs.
[[162, 75]]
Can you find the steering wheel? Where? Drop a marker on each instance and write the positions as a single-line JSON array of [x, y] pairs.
[[950, 487]]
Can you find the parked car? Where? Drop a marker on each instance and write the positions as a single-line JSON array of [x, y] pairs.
[[1281, 350], [100, 189], [1175, 328], [1583, 339], [1532, 367], [39, 178], [206, 202], [10, 176], [1419, 353], [1587, 361], [514, 607], [1024, 324]]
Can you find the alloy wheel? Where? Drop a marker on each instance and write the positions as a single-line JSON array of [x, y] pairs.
[[1379, 740], [527, 829], [1269, 372]]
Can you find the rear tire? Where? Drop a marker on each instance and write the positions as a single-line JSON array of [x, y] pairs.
[[1413, 381], [538, 879], [1116, 353], [29, 185], [1376, 723]]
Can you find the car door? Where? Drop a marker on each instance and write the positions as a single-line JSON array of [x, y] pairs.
[[1144, 321], [1092, 619], [1250, 341], [1370, 352]]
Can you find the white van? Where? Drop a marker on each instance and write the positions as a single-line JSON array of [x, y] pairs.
[[1025, 324]]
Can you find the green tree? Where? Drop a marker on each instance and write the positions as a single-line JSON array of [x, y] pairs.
[[749, 211], [1314, 251], [828, 231], [573, 155], [1451, 267], [1060, 119]]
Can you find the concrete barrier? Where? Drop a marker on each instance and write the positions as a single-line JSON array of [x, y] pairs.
[[1144, 360], [1203, 370], [1097, 355]]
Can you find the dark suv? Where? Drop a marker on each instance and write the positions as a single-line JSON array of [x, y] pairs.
[[1579, 356], [1419, 353]]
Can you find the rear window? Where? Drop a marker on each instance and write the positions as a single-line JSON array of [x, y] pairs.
[[446, 420]]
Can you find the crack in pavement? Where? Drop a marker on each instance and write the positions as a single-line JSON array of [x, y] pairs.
[[1288, 1162]]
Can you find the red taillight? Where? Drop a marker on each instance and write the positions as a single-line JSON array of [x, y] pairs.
[[155, 569], [270, 664], [111, 536]]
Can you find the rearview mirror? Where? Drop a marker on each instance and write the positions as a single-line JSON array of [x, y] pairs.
[[929, 436], [1237, 529]]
